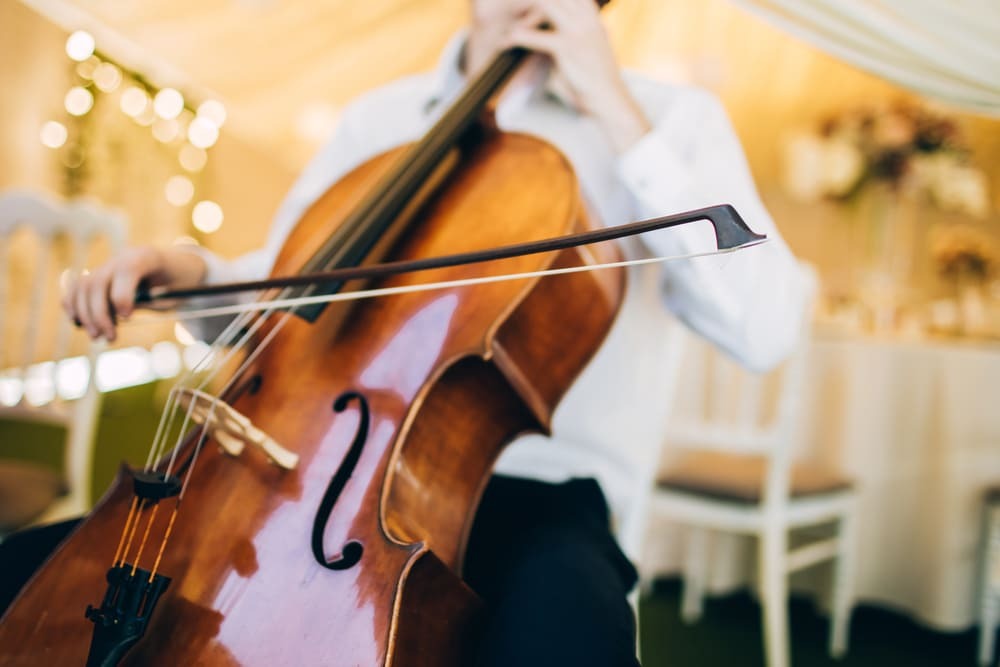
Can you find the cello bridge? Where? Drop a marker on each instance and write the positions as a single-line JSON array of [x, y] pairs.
[[232, 430]]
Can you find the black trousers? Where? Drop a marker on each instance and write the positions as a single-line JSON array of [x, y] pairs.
[[541, 555], [553, 577]]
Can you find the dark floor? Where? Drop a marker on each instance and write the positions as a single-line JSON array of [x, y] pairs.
[[729, 634]]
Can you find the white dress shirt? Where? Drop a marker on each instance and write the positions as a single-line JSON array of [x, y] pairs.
[[748, 303]]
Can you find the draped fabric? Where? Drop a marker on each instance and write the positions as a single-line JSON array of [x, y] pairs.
[[949, 51]]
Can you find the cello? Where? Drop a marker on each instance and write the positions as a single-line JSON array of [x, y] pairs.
[[341, 540]]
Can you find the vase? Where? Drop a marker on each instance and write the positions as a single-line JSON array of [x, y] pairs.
[[882, 245], [972, 310]]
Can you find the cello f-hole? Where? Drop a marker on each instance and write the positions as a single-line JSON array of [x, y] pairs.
[[352, 551]]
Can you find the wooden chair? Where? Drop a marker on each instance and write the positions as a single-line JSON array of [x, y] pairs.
[[39, 237], [736, 475], [989, 591]]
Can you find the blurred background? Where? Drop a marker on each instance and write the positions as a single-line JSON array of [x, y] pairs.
[[191, 119]]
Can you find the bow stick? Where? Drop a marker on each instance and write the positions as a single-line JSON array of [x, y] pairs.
[[731, 232]]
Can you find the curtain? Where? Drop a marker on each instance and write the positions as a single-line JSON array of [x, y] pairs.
[[945, 49]]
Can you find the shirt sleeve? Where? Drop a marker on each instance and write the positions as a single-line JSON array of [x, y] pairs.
[[750, 303]]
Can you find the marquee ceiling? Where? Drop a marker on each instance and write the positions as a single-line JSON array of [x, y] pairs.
[[285, 68]]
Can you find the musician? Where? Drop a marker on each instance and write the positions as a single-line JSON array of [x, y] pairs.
[[542, 552]]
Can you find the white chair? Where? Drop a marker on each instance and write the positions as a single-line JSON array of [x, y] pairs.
[[739, 478], [39, 237], [989, 601]]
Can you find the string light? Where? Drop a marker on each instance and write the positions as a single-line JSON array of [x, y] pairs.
[[207, 216], [166, 131], [173, 121], [53, 134], [168, 103], [107, 77], [202, 133], [213, 111], [134, 101], [86, 68], [192, 158], [179, 190], [78, 101], [80, 45]]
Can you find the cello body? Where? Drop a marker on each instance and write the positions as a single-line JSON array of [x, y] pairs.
[[397, 407]]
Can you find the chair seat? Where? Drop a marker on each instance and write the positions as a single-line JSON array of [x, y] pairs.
[[740, 478], [26, 490]]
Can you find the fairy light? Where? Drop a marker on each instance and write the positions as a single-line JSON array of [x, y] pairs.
[[134, 101], [192, 158], [53, 134], [80, 45], [166, 131], [78, 101], [86, 69], [168, 103], [207, 216], [179, 190], [107, 77], [213, 111], [202, 133], [146, 117], [189, 129]]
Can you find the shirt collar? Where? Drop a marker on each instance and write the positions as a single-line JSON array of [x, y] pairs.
[[448, 78]]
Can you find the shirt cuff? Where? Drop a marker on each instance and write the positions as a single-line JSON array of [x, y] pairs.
[[653, 171]]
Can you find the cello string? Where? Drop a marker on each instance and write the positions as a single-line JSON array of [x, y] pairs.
[[163, 542], [145, 537], [218, 311], [131, 534], [224, 338], [128, 522], [246, 363]]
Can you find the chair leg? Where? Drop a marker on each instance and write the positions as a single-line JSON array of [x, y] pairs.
[[843, 584], [774, 594], [989, 610], [695, 557], [987, 627]]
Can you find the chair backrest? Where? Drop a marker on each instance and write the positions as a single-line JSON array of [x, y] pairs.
[[726, 408], [41, 238]]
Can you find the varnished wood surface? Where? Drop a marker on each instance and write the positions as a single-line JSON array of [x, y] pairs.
[[450, 377]]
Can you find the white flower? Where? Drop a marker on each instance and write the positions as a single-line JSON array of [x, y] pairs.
[[960, 188], [804, 175], [843, 165]]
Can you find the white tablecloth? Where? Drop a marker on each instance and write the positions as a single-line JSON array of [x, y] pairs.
[[917, 426]]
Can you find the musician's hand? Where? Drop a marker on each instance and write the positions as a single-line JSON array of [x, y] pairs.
[[96, 300], [579, 47]]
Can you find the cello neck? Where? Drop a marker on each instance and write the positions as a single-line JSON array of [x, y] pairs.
[[373, 220]]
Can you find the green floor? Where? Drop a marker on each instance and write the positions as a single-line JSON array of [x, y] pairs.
[[729, 634]]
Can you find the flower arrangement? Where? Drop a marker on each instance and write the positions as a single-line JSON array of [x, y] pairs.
[[964, 253], [901, 146]]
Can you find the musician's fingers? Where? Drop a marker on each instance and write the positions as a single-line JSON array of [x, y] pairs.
[[124, 283], [81, 306], [535, 39], [100, 308], [68, 297]]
